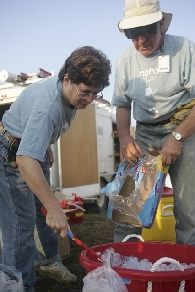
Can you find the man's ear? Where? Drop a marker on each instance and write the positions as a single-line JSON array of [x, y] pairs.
[[66, 79]]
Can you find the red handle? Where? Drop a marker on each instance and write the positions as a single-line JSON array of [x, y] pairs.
[[83, 245], [44, 211]]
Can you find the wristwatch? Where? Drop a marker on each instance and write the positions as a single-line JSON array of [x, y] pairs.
[[177, 136]]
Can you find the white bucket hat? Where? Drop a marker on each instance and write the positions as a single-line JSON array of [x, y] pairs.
[[143, 12]]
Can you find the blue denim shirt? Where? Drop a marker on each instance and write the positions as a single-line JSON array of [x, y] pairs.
[[39, 116]]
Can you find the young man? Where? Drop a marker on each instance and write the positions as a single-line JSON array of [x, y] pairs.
[[42, 112], [156, 77]]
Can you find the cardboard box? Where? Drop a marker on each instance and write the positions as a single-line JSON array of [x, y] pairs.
[[60, 196], [64, 247]]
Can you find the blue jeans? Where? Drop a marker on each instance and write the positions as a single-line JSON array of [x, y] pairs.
[[182, 175], [19, 212]]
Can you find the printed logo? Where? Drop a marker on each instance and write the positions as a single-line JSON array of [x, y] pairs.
[[158, 188]]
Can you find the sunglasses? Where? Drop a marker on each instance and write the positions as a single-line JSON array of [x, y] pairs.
[[148, 30]]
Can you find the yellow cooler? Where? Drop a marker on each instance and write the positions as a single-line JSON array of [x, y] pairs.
[[164, 223]]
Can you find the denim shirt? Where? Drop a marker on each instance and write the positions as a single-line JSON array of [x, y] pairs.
[[38, 117]]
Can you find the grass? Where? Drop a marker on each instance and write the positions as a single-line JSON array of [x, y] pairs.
[[96, 229]]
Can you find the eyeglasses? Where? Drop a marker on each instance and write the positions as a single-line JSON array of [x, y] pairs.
[[148, 30], [85, 95]]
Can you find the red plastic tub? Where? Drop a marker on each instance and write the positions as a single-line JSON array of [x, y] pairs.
[[137, 281]]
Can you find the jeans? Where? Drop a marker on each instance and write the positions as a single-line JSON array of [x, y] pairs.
[[182, 175], [20, 210]]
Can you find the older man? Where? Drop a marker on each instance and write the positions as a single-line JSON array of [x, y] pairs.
[[156, 78]]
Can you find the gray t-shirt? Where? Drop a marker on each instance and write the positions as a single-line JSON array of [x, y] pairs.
[[39, 117], [156, 94]]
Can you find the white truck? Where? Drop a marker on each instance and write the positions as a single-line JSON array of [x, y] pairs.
[[87, 155]]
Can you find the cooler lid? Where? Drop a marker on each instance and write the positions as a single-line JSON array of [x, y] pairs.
[[167, 192]]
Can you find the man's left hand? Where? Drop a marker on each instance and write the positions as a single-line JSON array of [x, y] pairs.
[[170, 151]]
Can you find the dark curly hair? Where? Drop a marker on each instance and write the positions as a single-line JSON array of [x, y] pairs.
[[87, 65]]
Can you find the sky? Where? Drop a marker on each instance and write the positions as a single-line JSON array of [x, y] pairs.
[[43, 33]]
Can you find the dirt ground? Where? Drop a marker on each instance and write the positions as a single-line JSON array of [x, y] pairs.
[[96, 229]]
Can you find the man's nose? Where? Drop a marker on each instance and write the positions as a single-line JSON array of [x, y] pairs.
[[141, 38], [89, 99]]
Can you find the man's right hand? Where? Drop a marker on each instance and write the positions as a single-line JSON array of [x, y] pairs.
[[129, 150], [56, 220]]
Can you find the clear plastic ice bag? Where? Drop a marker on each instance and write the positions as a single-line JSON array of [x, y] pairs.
[[104, 278], [135, 192]]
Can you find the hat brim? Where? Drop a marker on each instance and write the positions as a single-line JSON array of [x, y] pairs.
[[144, 20]]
